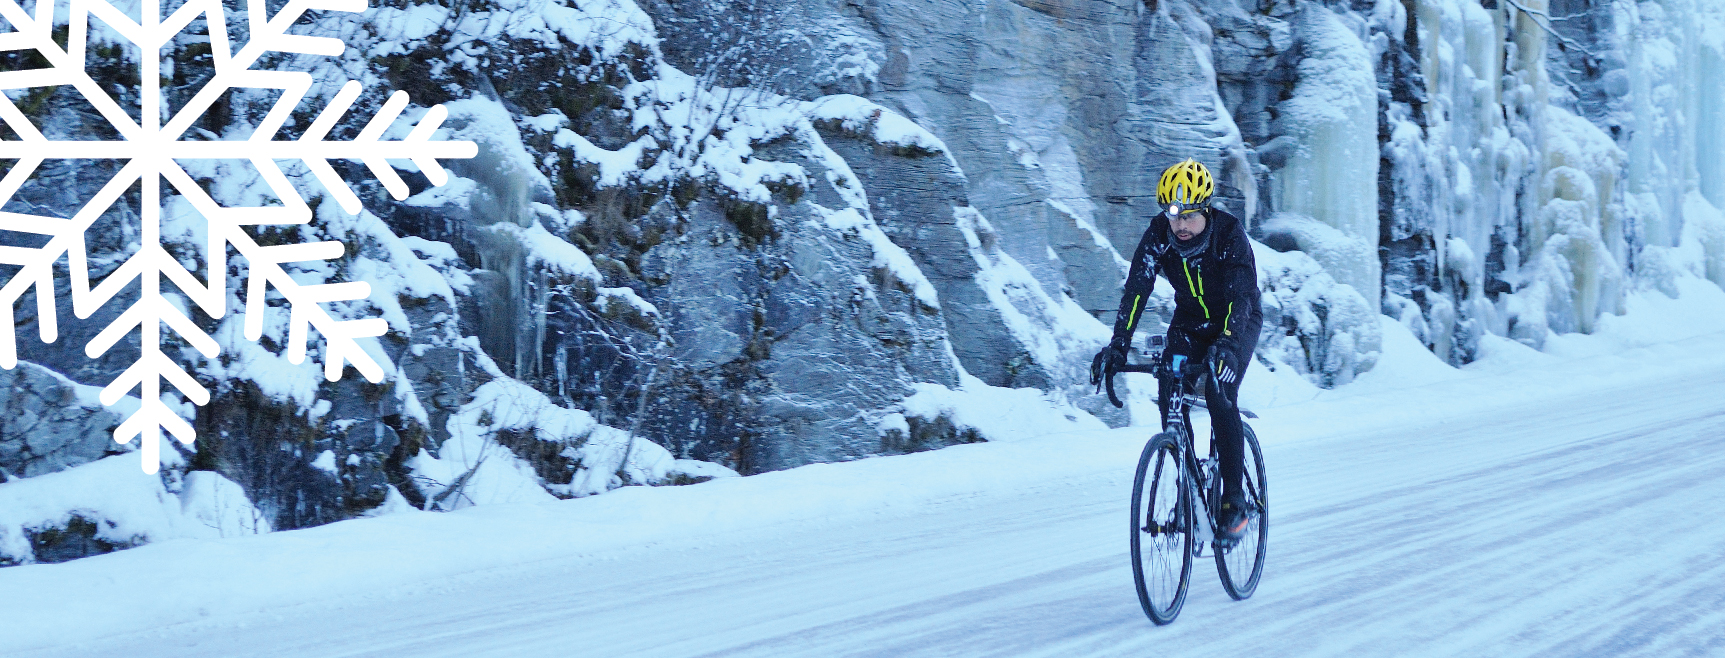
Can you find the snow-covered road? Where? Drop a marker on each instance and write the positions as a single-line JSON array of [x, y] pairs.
[[1530, 506]]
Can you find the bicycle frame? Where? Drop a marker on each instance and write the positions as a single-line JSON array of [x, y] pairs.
[[1192, 485], [1197, 474], [1200, 473]]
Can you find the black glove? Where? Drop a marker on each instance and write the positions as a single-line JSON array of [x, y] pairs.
[[1222, 362], [1108, 361]]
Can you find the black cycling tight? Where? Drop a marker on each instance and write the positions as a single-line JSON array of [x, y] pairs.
[[1224, 412]]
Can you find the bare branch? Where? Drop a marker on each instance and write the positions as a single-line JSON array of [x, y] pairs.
[[1535, 14]]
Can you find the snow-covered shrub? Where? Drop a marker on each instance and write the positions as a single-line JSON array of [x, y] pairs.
[[1345, 257], [1325, 329]]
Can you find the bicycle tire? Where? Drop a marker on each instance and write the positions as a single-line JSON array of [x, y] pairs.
[[1161, 529], [1247, 557]]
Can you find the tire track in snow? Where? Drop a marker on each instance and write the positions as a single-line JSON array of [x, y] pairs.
[[1484, 523], [1453, 558], [1504, 532]]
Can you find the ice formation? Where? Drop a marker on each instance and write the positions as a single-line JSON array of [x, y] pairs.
[[1330, 177], [651, 263]]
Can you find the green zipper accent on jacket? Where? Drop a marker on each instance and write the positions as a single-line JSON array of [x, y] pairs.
[[1196, 291], [1225, 331], [1133, 318]]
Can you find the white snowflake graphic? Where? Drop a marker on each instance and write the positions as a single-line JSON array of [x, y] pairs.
[[150, 149]]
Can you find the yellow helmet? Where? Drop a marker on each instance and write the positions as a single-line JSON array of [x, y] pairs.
[[1187, 184]]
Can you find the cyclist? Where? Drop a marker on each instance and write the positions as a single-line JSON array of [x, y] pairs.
[[1204, 253]]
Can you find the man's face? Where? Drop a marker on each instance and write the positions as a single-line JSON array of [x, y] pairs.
[[1187, 225]]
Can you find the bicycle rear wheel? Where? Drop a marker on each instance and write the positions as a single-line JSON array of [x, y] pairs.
[[1241, 565], [1161, 530]]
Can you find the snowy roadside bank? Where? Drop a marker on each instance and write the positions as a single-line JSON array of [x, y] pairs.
[[393, 556]]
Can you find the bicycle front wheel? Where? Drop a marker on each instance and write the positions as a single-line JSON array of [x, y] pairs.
[[1241, 565], [1161, 530]]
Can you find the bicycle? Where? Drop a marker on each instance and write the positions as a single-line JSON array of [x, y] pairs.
[[1170, 487]]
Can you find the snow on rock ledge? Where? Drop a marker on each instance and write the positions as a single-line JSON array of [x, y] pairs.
[[111, 504], [512, 444], [860, 116], [1056, 332], [934, 416]]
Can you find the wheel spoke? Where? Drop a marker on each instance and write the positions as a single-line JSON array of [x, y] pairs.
[[1241, 565], [1161, 537]]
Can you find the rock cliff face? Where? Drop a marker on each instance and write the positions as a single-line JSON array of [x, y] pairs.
[[47, 422], [706, 238]]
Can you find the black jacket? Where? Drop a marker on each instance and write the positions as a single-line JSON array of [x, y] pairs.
[[1215, 291]]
